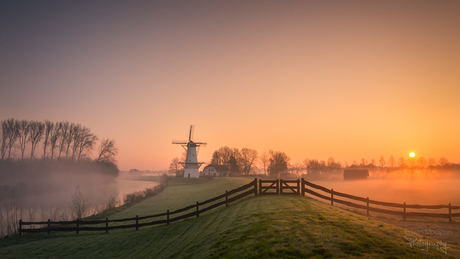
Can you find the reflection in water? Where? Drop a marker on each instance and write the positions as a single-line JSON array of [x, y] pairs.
[[54, 204]]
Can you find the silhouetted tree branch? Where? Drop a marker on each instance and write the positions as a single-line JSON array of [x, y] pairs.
[[49, 126], [278, 163], [65, 134], [23, 135], [107, 151], [247, 158], [37, 129]]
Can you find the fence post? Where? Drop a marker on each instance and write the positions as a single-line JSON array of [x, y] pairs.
[[77, 224], [167, 217], [277, 186], [404, 211], [20, 226], [197, 209], [298, 186], [255, 186], [226, 199], [303, 187], [260, 186], [367, 206], [49, 226], [281, 185], [450, 213], [137, 222], [332, 197]]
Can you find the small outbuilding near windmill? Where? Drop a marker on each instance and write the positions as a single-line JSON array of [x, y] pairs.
[[215, 170]]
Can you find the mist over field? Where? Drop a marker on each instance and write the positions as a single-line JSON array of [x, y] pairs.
[[41, 190], [413, 187], [431, 188]]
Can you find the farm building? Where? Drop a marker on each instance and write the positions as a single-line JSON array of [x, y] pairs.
[[355, 174], [215, 170]]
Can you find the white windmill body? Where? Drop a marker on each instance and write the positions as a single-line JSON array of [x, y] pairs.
[[191, 164]]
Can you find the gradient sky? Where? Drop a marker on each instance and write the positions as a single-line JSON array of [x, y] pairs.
[[315, 79]]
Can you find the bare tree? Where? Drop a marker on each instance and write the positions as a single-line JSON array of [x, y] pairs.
[[85, 142], [295, 169], [79, 204], [4, 145], [107, 151], [37, 129], [49, 126], [64, 135], [402, 162], [332, 164], [264, 159], [12, 127], [279, 162], [443, 161], [431, 162], [174, 167], [54, 137], [70, 138], [76, 140], [411, 162], [234, 163], [247, 158], [229, 157], [391, 161], [363, 162], [23, 135], [421, 162], [372, 163], [222, 156], [382, 162]]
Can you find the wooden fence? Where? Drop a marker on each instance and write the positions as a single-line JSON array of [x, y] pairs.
[[367, 201], [279, 185], [103, 225]]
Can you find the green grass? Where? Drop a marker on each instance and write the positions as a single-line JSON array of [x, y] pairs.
[[256, 227]]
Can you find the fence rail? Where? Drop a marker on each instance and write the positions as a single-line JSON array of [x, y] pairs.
[[80, 225], [279, 185], [368, 208]]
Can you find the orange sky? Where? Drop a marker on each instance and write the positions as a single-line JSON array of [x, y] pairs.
[[342, 79]]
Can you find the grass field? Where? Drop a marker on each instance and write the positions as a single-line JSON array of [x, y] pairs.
[[255, 227]]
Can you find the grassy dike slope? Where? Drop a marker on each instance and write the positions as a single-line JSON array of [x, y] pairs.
[[256, 227]]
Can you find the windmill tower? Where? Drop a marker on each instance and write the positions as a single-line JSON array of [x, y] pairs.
[[191, 163]]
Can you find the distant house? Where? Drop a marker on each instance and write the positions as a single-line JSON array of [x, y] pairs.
[[355, 174], [215, 170]]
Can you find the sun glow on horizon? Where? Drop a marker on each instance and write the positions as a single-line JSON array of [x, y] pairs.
[[412, 154]]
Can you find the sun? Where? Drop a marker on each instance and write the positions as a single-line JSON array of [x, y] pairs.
[[412, 154]]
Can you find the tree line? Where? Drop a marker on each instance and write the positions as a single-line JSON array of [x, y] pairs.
[[242, 162], [246, 161], [59, 140]]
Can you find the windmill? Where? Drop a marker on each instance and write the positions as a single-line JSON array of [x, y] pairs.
[[191, 163]]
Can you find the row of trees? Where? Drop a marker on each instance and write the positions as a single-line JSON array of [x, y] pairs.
[[248, 160], [59, 140], [237, 161], [244, 161], [402, 163]]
